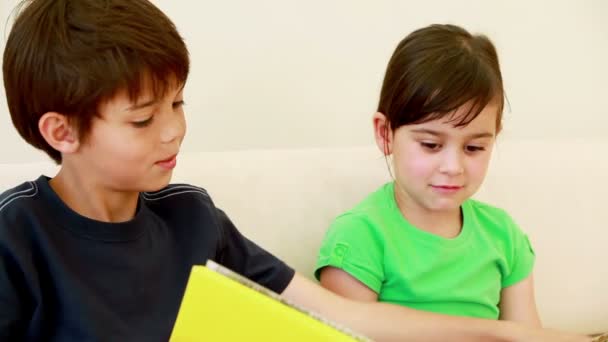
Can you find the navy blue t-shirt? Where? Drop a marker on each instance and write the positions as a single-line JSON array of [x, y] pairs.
[[65, 277]]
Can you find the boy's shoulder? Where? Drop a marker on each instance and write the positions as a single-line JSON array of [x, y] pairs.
[[178, 196], [21, 197], [28, 199], [17, 206], [177, 192]]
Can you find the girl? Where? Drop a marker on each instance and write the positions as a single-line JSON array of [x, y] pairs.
[[421, 241]]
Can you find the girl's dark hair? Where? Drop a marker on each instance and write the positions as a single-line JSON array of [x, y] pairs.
[[436, 70]]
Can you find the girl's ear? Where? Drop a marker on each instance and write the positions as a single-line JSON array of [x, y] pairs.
[[55, 128], [383, 133]]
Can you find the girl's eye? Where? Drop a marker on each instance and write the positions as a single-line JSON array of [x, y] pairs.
[[143, 123], [472, 148], [430, 146], [178, 104]]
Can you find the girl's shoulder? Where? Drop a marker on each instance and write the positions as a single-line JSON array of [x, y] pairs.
[[492, 220], [487, 211]]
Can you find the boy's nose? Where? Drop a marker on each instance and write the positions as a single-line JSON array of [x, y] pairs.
[[174, 129]]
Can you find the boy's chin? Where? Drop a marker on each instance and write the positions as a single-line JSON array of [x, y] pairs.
[[155, 186]]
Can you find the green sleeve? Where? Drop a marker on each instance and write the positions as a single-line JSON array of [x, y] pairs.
[[521, 258], [355, 246]]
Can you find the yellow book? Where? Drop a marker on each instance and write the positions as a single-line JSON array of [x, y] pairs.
[[220, 305]]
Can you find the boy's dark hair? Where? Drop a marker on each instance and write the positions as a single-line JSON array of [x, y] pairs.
[[437, 69], [69, 56]]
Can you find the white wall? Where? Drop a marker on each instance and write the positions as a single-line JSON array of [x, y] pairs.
[[290, 74]]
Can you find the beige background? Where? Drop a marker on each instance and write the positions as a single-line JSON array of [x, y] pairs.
[[296, 74]]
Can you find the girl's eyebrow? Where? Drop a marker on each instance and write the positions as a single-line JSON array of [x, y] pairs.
[[481, 135], [440, 134], [428, 131]]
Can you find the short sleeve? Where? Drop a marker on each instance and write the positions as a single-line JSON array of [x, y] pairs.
[[250, 260], [520, 259], [353, 245]]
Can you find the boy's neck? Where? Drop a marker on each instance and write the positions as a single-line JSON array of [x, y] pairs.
[[89, 198]]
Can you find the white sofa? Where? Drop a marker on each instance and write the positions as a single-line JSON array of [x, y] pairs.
[[285, 199]]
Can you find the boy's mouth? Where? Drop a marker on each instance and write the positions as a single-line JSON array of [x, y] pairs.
[[168, 163]]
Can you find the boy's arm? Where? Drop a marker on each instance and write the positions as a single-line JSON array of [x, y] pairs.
[[386, 322], [12, 324], [517, 303]]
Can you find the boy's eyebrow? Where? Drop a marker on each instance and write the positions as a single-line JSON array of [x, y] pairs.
[[141, 105], [439, 134], [150, 102]]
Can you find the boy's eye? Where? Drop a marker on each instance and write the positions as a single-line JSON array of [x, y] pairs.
[[178, 104], [473, 148], [143, 123], [430, 146]]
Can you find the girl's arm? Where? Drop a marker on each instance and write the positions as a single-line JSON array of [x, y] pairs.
[[517, 303], [386, 322], [342, 283]]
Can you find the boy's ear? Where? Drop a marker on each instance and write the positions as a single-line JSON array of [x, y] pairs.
[[383, 133], [55, 128]]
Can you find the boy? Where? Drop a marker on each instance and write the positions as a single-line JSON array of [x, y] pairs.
[[102, 251]]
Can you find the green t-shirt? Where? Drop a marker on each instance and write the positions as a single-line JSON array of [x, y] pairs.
[[462, 276]]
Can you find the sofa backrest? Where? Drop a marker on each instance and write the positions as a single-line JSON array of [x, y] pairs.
[[285, 199]]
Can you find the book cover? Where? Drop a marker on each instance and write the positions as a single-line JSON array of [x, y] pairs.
[[220, 305]]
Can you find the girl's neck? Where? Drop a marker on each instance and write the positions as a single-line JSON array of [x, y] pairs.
[[444, 223]]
